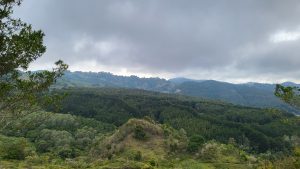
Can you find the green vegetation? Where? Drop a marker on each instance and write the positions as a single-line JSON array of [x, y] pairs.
[[258, 130], [176, 131], [289, 94], [127, 129], [250, 94], [20, 45], [194, 143], [67, 141]]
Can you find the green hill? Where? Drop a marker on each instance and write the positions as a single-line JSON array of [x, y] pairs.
[[259, 129], [128, 128], [142, 143], [137, 144], [249, 94]]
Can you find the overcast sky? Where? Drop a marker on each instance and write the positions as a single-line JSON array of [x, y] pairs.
[[229, 40]]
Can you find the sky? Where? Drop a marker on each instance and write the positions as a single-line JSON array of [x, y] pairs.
[[235, 41]]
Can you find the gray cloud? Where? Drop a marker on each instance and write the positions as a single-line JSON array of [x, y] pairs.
[[224, 40]]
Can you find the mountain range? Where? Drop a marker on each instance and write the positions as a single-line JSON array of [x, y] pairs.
[[247, 94]]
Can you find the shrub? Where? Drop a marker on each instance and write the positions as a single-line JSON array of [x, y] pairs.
[[173, 147], [138, 156], [14, 148], [139, 133], [194, 143], [297, 151], [210, 151], [152, 162], [109, 156], [66, 153]]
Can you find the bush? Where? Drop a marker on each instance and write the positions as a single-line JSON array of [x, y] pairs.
[[66, 153], [138, 156], [297, 151], [50, 140], [14, 148], [173, 147], [211, 151], [152, 162], [192, 147], [194, 143], [139, 133]]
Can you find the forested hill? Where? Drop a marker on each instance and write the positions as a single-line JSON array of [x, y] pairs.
[[130, 128], [104, 79], [263, 129], [249, 94]]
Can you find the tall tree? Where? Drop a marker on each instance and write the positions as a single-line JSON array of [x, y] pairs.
[[20, 45], [289, 94]]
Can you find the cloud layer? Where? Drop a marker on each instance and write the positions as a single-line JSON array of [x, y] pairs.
[[237, 41]]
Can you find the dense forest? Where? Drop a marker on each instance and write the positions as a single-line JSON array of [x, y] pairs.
[[263, 129], [173, 130], [247, 94]]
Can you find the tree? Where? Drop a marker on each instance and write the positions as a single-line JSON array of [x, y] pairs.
[[288, 94], [194, 143], [139, 133], [20, 45]]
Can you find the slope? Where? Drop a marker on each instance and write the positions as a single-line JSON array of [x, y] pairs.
[[259, 129], [249, 94]]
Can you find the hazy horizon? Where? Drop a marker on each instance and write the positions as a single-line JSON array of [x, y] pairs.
[[180, 77]]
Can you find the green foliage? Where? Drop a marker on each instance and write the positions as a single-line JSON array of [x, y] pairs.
[[288, 94], [53, 140], [252, 94], [66, 152], [14, 148], [194, 143], [254, 129], [19, 46], [211, 151], [152, 162], [62, 135], [139, 133], [84, 137], [153, 153], [138, 156], [105, 79]]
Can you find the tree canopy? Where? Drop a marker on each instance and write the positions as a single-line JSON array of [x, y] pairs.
[[20, 45], [289, 94]]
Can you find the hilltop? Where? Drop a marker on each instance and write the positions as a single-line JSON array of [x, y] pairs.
[[143, 143], [248, 94]]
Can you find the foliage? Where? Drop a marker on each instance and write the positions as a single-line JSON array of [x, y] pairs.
[[105, 79], [62, 135], [131, 153], [288, 94], [138, 156], [139, 133], [254, 129], [21, 90], [194, 143], [14, 148], [252, 94]]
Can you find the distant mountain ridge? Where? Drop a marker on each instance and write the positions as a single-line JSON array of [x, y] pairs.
[[179, 80], [105, 79], [246, 94]]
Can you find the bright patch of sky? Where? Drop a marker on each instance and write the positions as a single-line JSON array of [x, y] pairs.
[[283, 36]]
